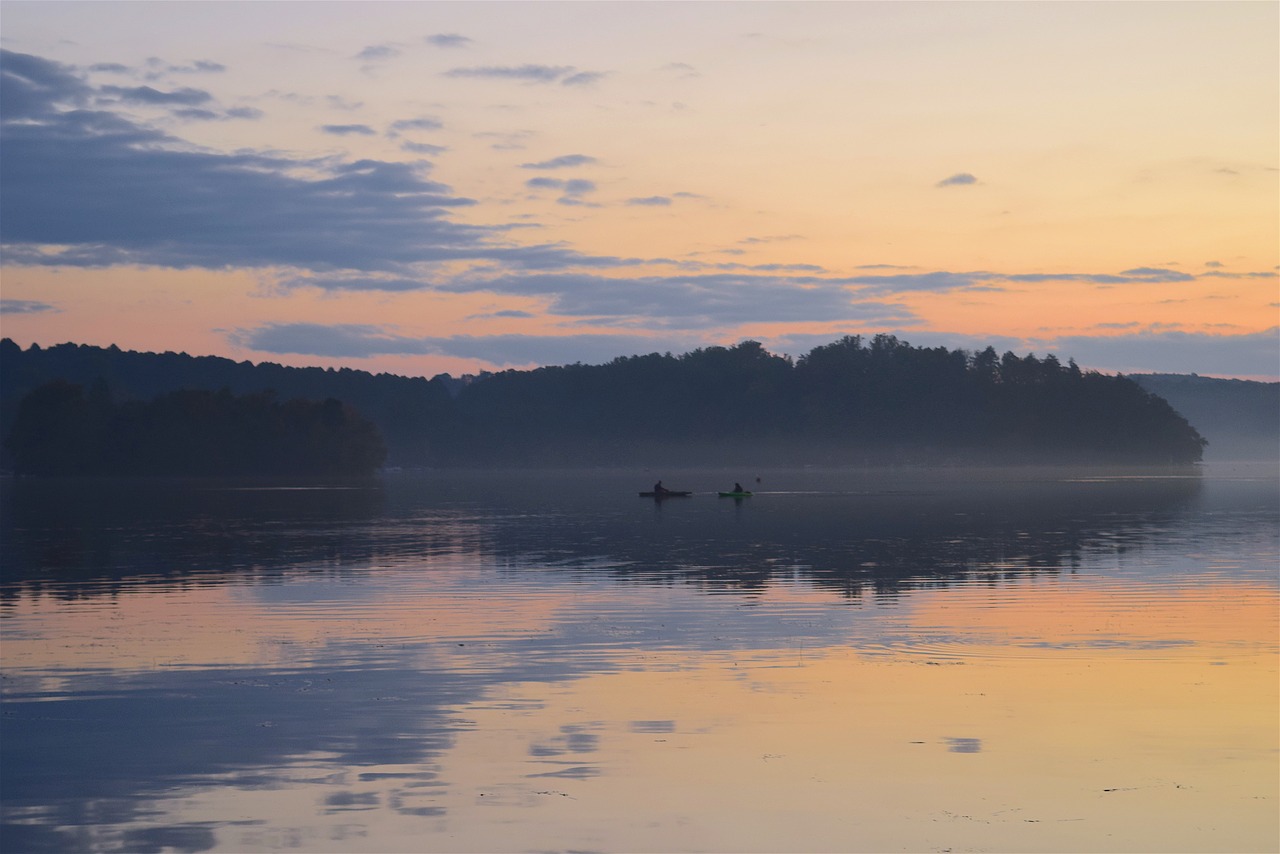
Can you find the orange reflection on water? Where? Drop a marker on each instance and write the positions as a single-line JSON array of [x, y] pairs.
[[1076, 748], [218, 625], [1045, 714], [1050, 613]]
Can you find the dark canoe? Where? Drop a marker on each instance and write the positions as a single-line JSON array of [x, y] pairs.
[[735, 494], [668, 494]]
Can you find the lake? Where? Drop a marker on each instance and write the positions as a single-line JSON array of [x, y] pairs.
[[906, 660]]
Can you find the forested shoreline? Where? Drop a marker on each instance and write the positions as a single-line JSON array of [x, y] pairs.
[[853, 401], [63, 429]]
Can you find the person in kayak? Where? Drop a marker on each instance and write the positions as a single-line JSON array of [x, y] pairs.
[[659, 489], [737, 487]]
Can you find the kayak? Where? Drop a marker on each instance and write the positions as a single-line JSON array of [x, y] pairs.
[[743, 494], [671, 493]]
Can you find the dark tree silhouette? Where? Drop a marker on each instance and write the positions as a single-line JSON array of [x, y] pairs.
[[850, 401], [61, 431]]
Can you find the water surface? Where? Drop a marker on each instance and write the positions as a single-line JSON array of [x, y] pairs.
[[846, 661]]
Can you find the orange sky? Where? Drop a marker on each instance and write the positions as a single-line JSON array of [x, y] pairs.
[[433, 187]]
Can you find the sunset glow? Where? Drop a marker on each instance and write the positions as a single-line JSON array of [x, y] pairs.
[[451, 187]]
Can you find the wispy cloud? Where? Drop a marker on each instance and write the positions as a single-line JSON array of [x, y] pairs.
[[960, 179], [447, 40], [348, 130], [567, 75], [353, 282], [366, 341], [573, 189], [773, 238], [420, 123], [1255, 274], [379, 53], [506, 140], [682, 69], [698, 301], [564, 161], [584, 78], [147, 95], [527, 73], [26, 306], [423, 148]]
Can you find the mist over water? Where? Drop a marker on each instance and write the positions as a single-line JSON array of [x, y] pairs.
[[861, 660]]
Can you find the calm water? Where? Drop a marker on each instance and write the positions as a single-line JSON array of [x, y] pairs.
[[853, 661]]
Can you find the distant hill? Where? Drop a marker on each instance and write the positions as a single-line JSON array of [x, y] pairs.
[[1240, 418], [405, 409], [880, 401]]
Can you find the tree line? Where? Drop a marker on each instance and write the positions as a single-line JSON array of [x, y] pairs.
[[63, 429], [849, 402], [853, 401]]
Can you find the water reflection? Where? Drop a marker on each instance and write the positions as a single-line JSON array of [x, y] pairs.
[[482, 664], [847, 540]]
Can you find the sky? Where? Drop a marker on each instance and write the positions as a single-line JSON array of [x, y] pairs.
[[431, 187]]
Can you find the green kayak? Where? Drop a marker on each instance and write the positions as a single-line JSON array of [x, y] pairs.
[[743, 494]]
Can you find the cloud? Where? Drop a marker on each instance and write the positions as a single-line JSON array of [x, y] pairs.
[[420, 123], [562, 162], [337, 102], [86, 187], [651, 201], [1157, 274], [573, 188], [584, 78], [378, 53], [507, 313], [698, 301], [508, 141], [942, 280], [447, 40], [683, 69], [200, 66], [528, 73], [366, 341], [147, 95], [347, 340], [26, 306], [156, 68], [1256, 274], [935, 281], [30, 85], [348, 130], [959, 179], [385, 283], [423, 148], [1147, 275], [544, 183]]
